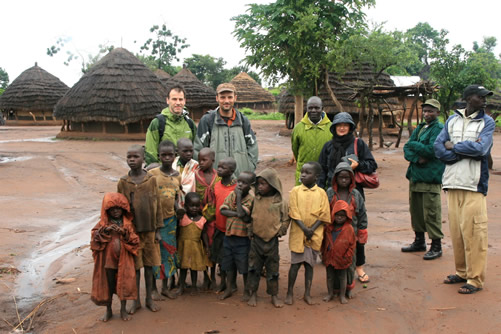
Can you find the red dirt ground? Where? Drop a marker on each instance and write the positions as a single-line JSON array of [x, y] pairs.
[[51, 192]]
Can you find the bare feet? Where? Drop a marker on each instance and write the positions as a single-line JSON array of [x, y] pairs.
[[246, 297], [343, 299], [136, 305], [227, 294], [328, 298], [156, 296], [124, 315], [252, 300], [276, 302], [212, 285], [289, 299], [206, 285], [152, 306], [308, 300], [107, 315], [349, 294], [169, 294], [221, 288]]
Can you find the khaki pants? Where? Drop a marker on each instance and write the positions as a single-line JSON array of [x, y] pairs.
[[468, 226]]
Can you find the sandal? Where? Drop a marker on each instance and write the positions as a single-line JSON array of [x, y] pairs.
[[453, 279], [364, 278], [468, 289]]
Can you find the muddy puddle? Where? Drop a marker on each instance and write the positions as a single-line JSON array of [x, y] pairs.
[[38, 140], [44, 263], [4, 160]]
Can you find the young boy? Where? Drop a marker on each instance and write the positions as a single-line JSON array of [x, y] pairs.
[[344, 188], [237, 208], [206, 178], [169, 187], [186, 166], [309, 211], [338, 249], [270, 220], [114, 244], [140, 189], [222, 189]]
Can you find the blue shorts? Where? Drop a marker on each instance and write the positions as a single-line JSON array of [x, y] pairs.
[[236, 254]]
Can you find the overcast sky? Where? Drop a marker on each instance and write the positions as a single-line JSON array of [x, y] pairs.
[[29, 27]]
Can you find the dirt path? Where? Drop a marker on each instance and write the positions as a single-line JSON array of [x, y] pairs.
[[50, 198]]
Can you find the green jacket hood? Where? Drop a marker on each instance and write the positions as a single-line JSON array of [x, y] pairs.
[[324, 120]]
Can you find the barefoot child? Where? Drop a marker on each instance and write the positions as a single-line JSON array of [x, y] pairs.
[[237, 208], [169, 187], [309, 211], [344, 188], [222, 189], [186, 166], [270, 221], [140, 189], [206, 178], [338, 249], [114, 244], [192, 243]]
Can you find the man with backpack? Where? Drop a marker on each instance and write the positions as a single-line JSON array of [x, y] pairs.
[[171, 124], [228, 132]]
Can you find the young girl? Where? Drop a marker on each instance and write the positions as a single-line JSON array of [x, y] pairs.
[[338, 248], [114, 244], [309, 211], [192, 243]]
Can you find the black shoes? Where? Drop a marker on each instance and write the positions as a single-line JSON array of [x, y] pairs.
[[419, 244], [435, 250]]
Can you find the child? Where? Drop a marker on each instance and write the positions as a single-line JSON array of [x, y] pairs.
[[344, 188], [338, 248], [222, 189], [192, 243], [169, 187], [309, 211], [206, 178], [237, 208], [270, 220], [114, 244], [140, 189], [186, 166]]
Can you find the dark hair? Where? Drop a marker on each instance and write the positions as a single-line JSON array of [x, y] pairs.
[[251, 176], [138, 148], [166, 143], [177, 88], [317, 168], [209, 151], [191, 196], [230, 161]]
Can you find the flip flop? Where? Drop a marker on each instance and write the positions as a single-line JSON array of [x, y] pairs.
[[453, 279], [468, 289], [361, 278]]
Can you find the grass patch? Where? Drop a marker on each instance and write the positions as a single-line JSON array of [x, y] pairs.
[[251, 114]]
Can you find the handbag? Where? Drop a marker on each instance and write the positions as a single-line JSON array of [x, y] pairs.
[[366, 180]]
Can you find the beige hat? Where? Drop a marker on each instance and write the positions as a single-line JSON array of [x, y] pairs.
[[431, 102], [226, 87]]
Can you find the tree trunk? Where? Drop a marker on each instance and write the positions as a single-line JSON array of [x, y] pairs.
[[410, 128], [404, 106], [380, 124], [361, 116], [370, 121], [298, 108], [331, 92]]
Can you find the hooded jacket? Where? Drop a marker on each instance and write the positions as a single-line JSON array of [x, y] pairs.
[[367, 164], [270, 216], [129, 245], [420, 144], [308, 139], [466, 164], [355, 201]]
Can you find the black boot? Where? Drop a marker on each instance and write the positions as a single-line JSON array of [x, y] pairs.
[[419, 244], [435, 250]]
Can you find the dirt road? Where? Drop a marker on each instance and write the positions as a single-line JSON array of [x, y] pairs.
[[50, 196]]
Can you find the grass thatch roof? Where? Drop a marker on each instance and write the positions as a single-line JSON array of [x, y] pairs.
[[33, 90], [163, 76], [119, 88], [198, 95], [249, 91]]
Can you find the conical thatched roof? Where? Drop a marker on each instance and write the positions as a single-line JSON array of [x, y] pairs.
[[249, 91], [198, 95], [119, 88], [33, 90], [163, 76]]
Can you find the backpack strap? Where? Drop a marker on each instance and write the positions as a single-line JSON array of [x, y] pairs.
[[161, 126], [355, 146]]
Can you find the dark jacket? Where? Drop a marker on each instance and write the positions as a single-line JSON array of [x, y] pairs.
[[420, 144]]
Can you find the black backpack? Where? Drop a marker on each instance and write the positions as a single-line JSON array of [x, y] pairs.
[[161, 124]]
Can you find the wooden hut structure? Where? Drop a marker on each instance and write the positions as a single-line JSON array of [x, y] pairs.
[[31, 97], [199, 97], [251, 95], [163, 76], [117, 98]]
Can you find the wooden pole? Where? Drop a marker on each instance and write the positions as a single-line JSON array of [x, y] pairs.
[[298, 108], [380, 124]]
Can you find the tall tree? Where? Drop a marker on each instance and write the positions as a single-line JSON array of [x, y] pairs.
[[207, 69], [4, 78], [289, 39], [163, 47]]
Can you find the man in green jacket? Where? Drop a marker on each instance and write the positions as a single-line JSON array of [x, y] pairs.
[[425, 179], [175, 122], [310, 135]]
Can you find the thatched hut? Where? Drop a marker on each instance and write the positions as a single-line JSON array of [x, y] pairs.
[[163, 76], [31, 97], [117, 98], [199, 97], [251, 95]]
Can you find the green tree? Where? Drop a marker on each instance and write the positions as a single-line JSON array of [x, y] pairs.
[[288, 39], [4, 78], [207, 69], [163, 47], [421, 39]]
